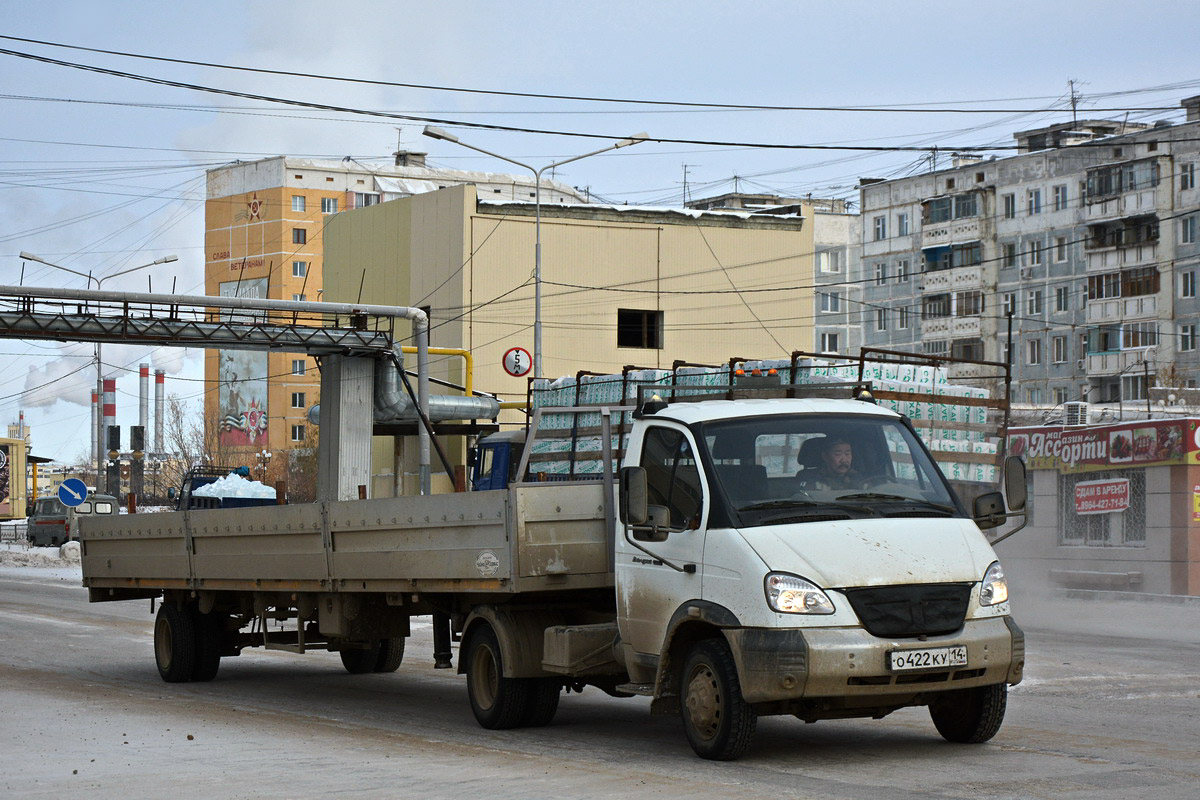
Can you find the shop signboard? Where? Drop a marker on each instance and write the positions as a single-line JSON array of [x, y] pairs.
[[1146, 443]]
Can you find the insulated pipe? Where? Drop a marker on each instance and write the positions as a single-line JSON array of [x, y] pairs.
[[392, 403], [418, 316]]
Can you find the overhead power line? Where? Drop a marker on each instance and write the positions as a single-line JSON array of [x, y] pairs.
[[915, 108]]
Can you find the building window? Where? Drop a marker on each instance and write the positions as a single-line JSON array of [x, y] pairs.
[[1187, 230], [1118, 178], [1187, 284], [880, 228], [329, 205], [966, 205], [829, 343], [1060, 395], [298, 366], [297, 202], [937, 347], [1187, 337], [968, 304], [902, 318], [935, 305], [1135, 335], [1034, 351], [902, 268], [1062, 298], [1033, 396], [1060, 249], [831, 301], [880, 274], [1187, 177], [297, 399], [1059, 349], [881, 319], [1034, 249], [364, 199], [939, 209], [1010, 206], [1060, 197], [297, 433], [1035, 201], [299, 236], [1009, 258], [829, 261], [299, 298], [299, 269], [639, 328], [968, 349], [902, 225], [1034, 306], [1010, 303]]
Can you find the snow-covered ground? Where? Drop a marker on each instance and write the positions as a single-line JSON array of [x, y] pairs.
[[44, 562]]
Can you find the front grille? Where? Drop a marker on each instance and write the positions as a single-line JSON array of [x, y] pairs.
[[920, 610]]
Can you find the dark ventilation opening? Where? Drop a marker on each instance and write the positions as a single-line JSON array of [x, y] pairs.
[[639, 328]]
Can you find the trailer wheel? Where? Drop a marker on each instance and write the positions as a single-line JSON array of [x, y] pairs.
[[175, 643], [391, 654], [360, 661], [497, 702], [719, 724], [209, 634], [970, 716], [543, 702]]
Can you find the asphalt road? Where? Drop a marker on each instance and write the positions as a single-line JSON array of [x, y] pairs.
[[1110, 709]]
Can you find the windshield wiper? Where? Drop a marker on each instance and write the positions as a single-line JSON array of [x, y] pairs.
[[899, 498], [772, 504]]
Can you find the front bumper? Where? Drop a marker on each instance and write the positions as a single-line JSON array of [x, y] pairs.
[[777, 664]]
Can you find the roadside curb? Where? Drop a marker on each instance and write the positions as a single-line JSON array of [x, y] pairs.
[[1137, 597]]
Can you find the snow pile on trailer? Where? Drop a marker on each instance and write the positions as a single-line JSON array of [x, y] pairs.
[[234, 485]]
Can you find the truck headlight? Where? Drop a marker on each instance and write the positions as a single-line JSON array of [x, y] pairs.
[[994, 588], [789, 594]]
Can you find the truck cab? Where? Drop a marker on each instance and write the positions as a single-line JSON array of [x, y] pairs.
[[878, 589], [496, 460]]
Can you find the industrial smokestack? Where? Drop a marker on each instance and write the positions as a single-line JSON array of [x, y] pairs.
[[144, 395], [110, 407], [160, 379], [95, 425]]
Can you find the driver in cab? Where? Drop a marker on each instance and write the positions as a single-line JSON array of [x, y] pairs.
[[836, 468]]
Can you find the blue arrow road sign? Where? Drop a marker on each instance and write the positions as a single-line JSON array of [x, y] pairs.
[[72, 492]]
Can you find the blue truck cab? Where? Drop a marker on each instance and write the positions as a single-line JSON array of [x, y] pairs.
[[496, 460]]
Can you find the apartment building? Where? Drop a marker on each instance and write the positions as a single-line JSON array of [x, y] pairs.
[[264, 238], [1085, 239]]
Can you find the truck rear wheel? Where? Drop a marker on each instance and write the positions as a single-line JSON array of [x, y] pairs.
[[970, 716], [175, 643], [497, 702], [209, 634], [384, 655], [719, 724]]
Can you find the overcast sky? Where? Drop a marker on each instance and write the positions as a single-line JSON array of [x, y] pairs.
[[99, 177]]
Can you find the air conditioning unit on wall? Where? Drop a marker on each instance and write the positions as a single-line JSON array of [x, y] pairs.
[[1026, 273], [1075, 413]]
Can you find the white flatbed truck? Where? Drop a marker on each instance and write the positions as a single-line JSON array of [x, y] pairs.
[[715, 573]]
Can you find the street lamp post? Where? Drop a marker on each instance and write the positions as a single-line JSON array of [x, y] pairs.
[[98, 449], [438, 133]]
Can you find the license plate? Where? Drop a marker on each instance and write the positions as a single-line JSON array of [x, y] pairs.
[[933, 658]]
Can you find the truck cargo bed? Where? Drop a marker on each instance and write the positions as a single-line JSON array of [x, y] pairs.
[[526, 539]]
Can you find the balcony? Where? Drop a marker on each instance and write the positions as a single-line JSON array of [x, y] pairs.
[[1113, 362], [952, 328], [1142, 255], [1141, 201], [952, 280], [1122, 308], [953, 231]]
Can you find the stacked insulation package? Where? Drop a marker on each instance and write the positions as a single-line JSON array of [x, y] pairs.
[[576, 436]]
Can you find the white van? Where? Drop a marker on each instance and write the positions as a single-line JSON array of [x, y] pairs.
[[51, 523]]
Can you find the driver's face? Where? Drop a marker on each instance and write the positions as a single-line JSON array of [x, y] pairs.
[[839, 458]]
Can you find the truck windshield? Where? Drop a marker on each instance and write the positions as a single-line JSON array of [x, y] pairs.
[[808, 467]]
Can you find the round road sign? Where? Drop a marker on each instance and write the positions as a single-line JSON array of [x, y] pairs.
[[72, 492], [517, 361]]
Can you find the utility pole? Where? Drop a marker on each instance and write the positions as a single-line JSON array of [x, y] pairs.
[[1074, 100], [685, 182]]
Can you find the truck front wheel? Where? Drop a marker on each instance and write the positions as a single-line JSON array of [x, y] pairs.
[[497, 702], [970, 716], [719, 724], [175, 643]]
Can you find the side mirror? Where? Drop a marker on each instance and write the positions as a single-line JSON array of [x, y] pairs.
[[1014, 483], [657, 527], [989, 510], [633, 497], [170, 492]]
